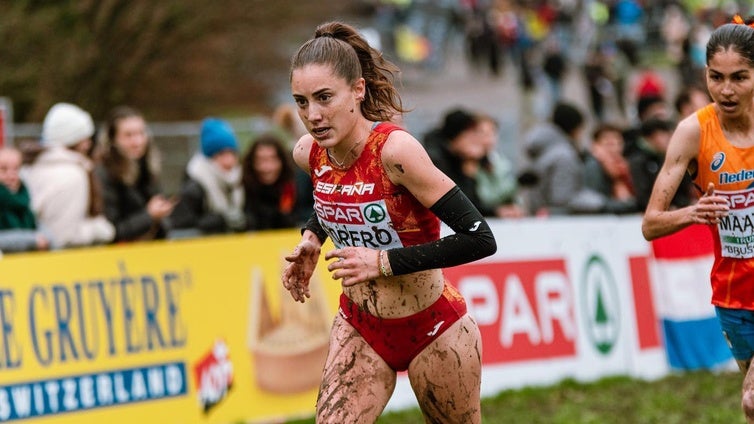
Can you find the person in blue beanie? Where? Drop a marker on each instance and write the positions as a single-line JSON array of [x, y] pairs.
[[211, 196]]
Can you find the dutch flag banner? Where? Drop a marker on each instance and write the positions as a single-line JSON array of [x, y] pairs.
[[693, 339]]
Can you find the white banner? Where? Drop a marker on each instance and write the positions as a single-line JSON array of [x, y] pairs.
[[563, 298]]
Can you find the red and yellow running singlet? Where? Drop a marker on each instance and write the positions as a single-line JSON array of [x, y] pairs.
[[731, 170], [360, 206]]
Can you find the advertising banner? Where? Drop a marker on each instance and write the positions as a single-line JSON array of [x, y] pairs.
[[174, 332], [563, 298], [201, 331], [693, 337]]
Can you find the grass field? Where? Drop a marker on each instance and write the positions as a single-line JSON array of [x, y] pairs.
[[695, 397]]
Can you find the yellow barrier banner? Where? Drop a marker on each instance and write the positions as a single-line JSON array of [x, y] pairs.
[[190, 331]]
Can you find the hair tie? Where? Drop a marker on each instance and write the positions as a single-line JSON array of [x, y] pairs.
[[737, 19]]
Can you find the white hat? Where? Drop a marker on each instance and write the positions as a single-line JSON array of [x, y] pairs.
[[66, 125]]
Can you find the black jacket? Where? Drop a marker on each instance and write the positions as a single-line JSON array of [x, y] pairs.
[[192, 212], [645, 164], [126, 207]]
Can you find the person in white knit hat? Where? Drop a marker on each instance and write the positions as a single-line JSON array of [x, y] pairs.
[[64, 194]]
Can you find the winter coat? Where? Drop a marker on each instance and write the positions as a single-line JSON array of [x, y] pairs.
[[451, 165], [272, 206], [597, 179], [126, 206], [59, 184], [559, 188], [18, 226], [645, 163], [15, 209], [211, 201]]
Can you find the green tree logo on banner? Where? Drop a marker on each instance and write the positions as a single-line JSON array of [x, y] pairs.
[[600, 305]]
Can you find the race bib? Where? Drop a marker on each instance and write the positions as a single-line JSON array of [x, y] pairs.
[[364, 224], [737, 229]]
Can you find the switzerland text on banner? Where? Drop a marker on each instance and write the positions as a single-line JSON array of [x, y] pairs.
[[192, 331], [683, 261]]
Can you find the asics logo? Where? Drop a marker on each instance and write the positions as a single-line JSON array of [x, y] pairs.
[[321, 171], [717, 161], [475, 226]]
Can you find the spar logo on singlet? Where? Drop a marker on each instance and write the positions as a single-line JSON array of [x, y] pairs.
[[357, 224], [374, 213], [717, 161]]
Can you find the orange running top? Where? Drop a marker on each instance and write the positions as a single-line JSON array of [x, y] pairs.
[[731, 170]]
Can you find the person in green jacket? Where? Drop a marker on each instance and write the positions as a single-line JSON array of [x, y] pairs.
[[18, 225]]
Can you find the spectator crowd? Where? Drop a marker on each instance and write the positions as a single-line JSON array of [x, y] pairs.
[[83, 185], [80, 185], [602, 157]]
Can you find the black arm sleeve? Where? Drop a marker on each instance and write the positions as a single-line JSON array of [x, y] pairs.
[[472, 240], [313, 225]]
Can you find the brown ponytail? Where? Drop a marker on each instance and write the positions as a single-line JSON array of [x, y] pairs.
[[340, 46]]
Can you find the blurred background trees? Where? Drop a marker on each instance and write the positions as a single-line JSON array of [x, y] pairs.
[[173, 59]]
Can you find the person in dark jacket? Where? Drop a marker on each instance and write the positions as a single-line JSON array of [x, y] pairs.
[[647, 159], [18, 225], [606, 170], [464, 148], [556, 159], [270, 185], [211, 196], [129, 169], [456, 151]]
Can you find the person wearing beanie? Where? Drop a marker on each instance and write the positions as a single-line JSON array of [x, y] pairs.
[[211, 196], [64, 193], [217, 136], [129, 170], [66, 125]]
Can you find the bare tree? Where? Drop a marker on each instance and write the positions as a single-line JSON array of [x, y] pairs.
[[171, 58]]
